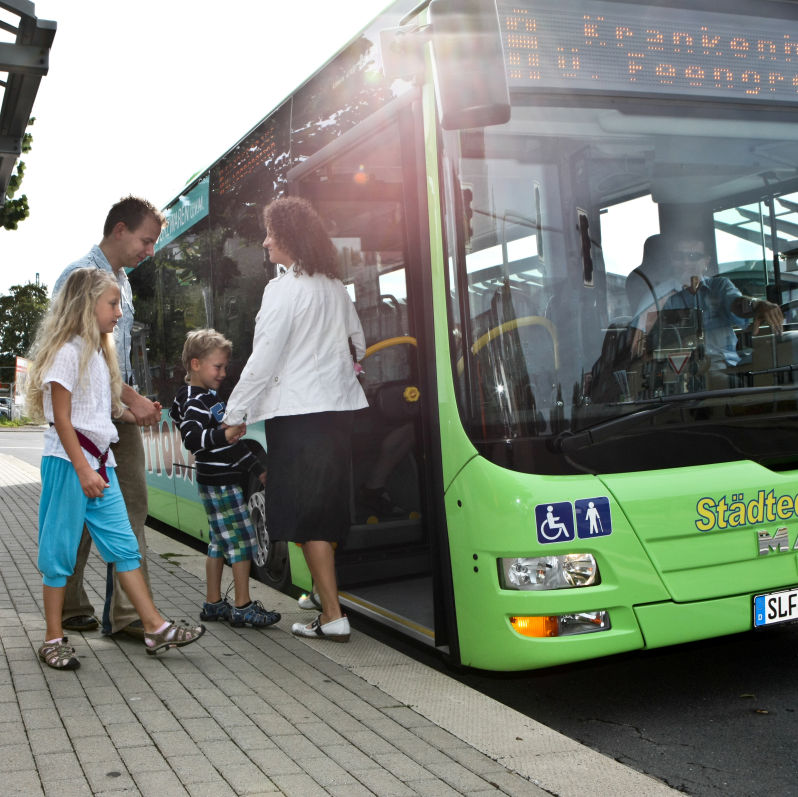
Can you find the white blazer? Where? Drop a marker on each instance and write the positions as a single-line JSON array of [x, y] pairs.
[[300, 361]]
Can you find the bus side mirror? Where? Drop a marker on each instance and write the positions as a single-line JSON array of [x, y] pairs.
[[468, 64]]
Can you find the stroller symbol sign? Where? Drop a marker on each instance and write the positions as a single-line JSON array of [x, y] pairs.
[[555, 522]]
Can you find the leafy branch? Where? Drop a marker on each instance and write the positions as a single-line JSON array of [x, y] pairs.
[[13, 211]]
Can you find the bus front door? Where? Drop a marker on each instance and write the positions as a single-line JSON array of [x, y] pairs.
[[363, 188]]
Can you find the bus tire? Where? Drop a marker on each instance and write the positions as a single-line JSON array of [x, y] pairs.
[[270, 563]]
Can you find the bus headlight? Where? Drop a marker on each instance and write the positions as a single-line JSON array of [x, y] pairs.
[[549, 572]]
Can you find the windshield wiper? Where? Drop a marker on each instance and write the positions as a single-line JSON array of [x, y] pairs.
[[602, 431]]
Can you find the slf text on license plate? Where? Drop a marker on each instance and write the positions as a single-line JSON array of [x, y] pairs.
[[777, 607]]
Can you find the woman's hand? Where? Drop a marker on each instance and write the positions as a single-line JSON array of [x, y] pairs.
[[234, 433]]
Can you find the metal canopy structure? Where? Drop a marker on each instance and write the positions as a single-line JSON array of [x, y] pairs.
[[25, 43]]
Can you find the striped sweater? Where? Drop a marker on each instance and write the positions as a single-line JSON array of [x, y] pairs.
[[198, 413]]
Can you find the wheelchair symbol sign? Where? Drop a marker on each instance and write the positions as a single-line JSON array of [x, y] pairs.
[[555, 522], [593, 517]]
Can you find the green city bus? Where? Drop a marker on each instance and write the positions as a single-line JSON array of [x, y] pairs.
[[572, 467]]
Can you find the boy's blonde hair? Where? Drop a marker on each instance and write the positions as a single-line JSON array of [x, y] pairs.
[[72, 313], [200, 343]]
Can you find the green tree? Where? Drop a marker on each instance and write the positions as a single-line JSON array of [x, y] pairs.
[[20, 313], [13, 211]]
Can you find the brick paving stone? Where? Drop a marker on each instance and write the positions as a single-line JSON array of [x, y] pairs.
[[159, 784], [174, 742], [51, 740], [108, 776], [58, 766], [369, 741], [458, 776], [16, 757], [402, 767], [224, 754], [41, 699], [297, 746], [319, 732], [217, 789], [140, 759], [275, 762], [12, 721], [439, 737], [434, 788], [91, 749], [248, 739], [203, 729], [383, 783], [80, 724], [192, 768], [513, 785], [128, 735], [250, 779], [72, 788], [100, 695], [229, 716], [35, 718], [406, 717], [162, 721], [301, 785], [116, 714], [475, 761], [242, 712], [350, 790], [22, 784]]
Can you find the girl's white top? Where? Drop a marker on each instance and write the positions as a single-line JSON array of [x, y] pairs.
[[300, 361], [91, 401]]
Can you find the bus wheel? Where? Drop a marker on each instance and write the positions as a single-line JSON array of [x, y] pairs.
[[270, 563]]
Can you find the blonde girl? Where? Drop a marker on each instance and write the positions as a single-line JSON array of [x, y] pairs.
[[75, 386]]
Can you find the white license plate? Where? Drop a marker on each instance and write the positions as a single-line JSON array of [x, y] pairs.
[[776, 607]]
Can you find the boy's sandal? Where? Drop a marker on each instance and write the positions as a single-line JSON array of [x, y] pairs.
[[175, 635], [59, 655]]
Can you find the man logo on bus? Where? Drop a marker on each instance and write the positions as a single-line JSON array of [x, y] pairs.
[[555, 522]]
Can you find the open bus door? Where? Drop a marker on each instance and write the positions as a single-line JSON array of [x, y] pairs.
[[365, 187]]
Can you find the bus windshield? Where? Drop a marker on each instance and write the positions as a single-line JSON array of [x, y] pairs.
[[612, 261]]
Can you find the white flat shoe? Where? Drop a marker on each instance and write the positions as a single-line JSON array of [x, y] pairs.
[[310, 601], [335, 630]]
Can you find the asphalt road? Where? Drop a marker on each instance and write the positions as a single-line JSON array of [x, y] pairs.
[[717, 718], [24, 442]]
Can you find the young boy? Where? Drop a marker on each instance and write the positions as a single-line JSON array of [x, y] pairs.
[[222, 460]]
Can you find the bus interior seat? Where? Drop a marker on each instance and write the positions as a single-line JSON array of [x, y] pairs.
[[616, 351], [642, 282]]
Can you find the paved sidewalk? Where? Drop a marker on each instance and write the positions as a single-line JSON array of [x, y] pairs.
[[249, 712]]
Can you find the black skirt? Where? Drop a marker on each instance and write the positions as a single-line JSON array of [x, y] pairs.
[[309, 476]]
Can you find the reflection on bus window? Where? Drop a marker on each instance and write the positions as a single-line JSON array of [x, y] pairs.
[[550, 345]]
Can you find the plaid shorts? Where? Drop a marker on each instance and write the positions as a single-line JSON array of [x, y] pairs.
[[231, 532]]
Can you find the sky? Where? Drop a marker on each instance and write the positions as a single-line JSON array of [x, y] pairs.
[[142, 95]]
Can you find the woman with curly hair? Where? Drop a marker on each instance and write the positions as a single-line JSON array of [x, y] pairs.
[[300, 378]]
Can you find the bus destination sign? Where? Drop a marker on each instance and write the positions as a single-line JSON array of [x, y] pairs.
[[631, 47]]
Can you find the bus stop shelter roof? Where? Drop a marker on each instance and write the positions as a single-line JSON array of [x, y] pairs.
[[25, 43]]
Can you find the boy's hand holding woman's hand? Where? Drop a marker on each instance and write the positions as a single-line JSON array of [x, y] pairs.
[[234, 433]]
